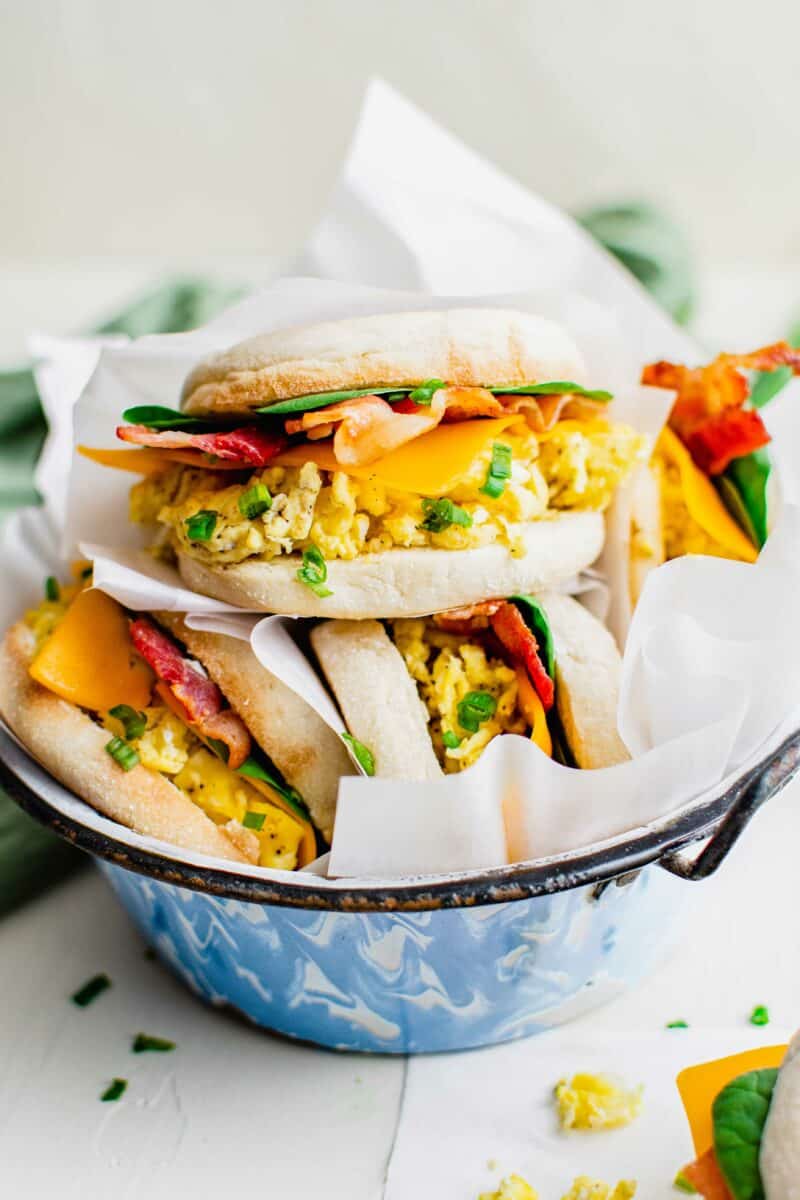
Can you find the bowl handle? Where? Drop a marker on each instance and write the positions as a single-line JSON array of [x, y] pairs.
[[745, 798]]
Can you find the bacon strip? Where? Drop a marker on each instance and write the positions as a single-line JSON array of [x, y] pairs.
[[250, 446], [471, 619], [367, 428], [707, 413], [199, 698], [510, 628]]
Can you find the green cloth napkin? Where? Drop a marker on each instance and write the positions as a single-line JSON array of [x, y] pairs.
[[32, 858]]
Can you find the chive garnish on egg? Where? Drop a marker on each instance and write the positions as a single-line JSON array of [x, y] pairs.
[[314, 572], [123, 754], [201, 525], [133, 722], [475, 709], [255, 501], [51, 589], [499, 471], [254, 820], [451, 740], [439, 515]]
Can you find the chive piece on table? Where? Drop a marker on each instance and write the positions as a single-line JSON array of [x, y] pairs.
[[114, 1090], [143, 1042], [677, 1025], [90, 990], [759, 1015]]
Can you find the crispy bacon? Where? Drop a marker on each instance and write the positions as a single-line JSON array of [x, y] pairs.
[[724, 436], [468, 620], [707, 414], [201, 702], [367, 427], [510, 628], [250, 446]]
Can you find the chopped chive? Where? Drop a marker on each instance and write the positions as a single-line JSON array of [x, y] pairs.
[[134, 722], [201, 525], [451, 740], [122, 753], [439, 515], [51, 589], [115, 1089], [362, 754], [254, 820], [90, 990], [759, 1015], [499, 471], [314, 572], [683, 1184], [423, 395], [677, 1025], [475, 709], [255, 501], [143, 1042], [86, 573]]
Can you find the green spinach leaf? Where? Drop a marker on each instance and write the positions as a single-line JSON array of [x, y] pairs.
[[739, 1114]]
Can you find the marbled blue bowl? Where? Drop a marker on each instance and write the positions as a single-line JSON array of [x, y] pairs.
[[440, 963]]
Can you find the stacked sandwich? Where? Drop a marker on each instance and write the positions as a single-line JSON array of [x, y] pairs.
[[422, 487]]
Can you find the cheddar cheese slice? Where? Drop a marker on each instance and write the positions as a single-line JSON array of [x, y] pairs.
[[699, 1087], [429, 466], [89, 659], [151, 461], [703, 500]]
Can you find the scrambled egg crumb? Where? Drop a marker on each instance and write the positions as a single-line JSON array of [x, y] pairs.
[[585, 1188], [166, 742], [596, 1102], [682, 534], [344, 516], [446, 668], [514, 1187]]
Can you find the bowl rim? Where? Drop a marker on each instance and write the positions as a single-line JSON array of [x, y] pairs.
[[596, 866]]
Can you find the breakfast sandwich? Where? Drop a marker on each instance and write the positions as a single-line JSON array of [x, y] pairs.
[[426, 695], [178, 734], [380, 466], [706, 487], [744, 1113]]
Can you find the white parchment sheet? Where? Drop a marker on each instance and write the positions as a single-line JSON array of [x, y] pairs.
[[697, 699]]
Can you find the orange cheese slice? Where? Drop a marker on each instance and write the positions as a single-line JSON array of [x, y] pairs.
[[703, 500], [699, 1087], [532, 710], [429, 466], [151, 461], [89, 659]]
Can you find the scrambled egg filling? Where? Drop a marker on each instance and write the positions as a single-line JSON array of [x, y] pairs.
[[344, 517], [170, 747], [682, 534], [596, 1102], [446, 668]]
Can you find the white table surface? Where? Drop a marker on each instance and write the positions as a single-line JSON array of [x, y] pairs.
[[232, 1107]]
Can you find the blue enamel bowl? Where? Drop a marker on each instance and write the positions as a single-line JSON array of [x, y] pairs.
[[433, 964]]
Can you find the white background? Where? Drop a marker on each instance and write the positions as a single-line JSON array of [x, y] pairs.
[[166, 128]]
